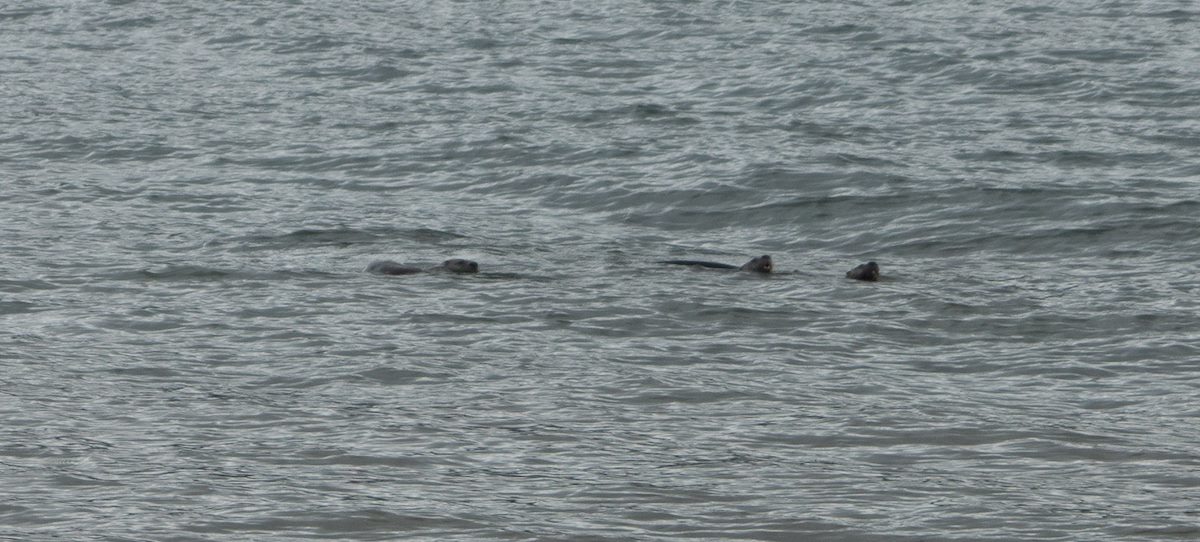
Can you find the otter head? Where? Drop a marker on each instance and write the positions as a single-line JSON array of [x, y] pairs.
[[459, 265], [761, 264]]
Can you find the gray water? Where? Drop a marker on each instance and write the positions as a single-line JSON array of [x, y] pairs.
[[190, 349]]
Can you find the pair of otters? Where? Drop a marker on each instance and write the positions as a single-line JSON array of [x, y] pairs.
[[761, 264]]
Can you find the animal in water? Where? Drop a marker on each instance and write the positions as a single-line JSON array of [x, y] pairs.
[[454, 265], [760, 264], [867, 271]]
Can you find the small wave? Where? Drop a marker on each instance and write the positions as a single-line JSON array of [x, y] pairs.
[[129, 23], [17, 14], [393, 375], [336, 237], [16, 307], [1072, 158], [178, 272], [372, 74]]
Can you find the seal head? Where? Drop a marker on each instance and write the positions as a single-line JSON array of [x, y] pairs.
[[868, 271], [459, 265], [761, 264]]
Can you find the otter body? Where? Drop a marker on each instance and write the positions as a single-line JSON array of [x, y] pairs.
[[761, 264], [455, 265]]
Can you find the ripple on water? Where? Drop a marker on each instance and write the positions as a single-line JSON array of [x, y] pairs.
[[193, 349]]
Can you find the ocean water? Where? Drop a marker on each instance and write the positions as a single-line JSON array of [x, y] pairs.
[[190, 348]]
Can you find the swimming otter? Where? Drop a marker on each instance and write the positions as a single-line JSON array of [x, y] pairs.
[[761, 264], [867, 271], [455, 265]]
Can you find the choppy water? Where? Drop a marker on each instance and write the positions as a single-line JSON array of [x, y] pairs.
[[189, 192]]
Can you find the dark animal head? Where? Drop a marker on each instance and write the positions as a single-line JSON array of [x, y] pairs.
[[866, 271], [459, 265], [761, 264]]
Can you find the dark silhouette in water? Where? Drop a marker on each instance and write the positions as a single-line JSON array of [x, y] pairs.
[[456, 265], [761, 264], [867, 271]]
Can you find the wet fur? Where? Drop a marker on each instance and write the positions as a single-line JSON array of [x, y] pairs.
[[455, 265], [868, 271], [761, 264]]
